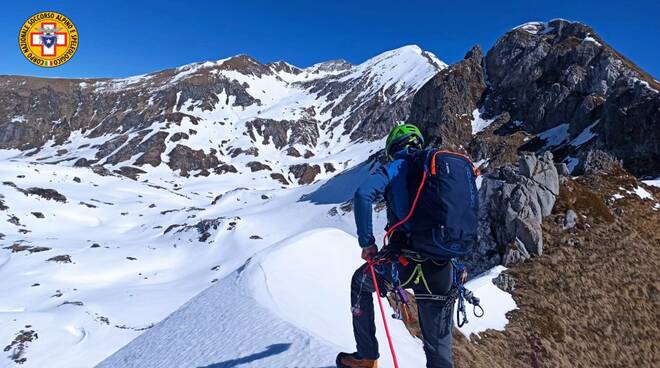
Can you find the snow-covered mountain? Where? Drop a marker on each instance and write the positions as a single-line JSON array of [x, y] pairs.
[[235, 115]]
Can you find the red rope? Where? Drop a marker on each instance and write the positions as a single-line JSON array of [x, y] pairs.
[[412, 209], [382, 313]]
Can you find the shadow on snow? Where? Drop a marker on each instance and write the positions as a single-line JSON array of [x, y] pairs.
[[341, 187], [270, 351]]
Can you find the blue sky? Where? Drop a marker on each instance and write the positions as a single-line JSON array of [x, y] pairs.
[[122, 38]]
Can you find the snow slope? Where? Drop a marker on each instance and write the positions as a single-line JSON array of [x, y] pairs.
[[128, 272], [302, 280]]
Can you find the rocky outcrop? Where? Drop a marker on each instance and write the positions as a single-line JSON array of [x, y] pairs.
[[331, 66], [599, 162], [293, 152], [49, 194], [130, 172], [257, 166], [283, 66], [279, 177], [178, 136], [305, 173], [151, 148], [186, 159], [546, 74], [65, 258], [283, 133], [513, 203], [252, 151], [246, 65], [443, 107]]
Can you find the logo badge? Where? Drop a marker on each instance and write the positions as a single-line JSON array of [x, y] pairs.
[[48, 39]]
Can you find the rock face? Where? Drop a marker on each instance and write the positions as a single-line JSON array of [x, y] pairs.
[[184, 158], [257, 166], [546, 74], [599, 162], [305, 173], [280, 178], [283, 133], [558, 81], [442, 109], [513, 203]]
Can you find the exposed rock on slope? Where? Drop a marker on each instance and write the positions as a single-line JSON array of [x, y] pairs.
[[513, 203], [443, 107], [559, 81], [305, 173], [184, 158], [283, 133], [546, 74]]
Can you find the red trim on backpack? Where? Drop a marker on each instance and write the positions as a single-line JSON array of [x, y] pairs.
[[475, 170]]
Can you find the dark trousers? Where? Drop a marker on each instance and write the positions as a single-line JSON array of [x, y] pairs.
[[435, 317]]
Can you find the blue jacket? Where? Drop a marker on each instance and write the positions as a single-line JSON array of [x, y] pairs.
[[390, 181]]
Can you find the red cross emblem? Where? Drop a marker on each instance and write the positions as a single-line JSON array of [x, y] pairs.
[[48, 39]]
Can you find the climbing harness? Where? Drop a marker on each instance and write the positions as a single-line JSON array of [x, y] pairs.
[[457, 292]]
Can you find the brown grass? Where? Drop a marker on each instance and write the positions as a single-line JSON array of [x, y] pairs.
[[590, 305]]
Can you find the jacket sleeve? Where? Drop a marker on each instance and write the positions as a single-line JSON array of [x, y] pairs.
[[363, 201]]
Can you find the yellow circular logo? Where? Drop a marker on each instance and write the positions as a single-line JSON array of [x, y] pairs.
[[48, 39]]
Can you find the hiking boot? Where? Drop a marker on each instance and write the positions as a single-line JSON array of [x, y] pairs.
[[346, 360]]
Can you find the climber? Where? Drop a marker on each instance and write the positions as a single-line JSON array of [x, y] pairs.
[[416, 263]]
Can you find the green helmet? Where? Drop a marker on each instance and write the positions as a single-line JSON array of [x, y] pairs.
[[402, 136]]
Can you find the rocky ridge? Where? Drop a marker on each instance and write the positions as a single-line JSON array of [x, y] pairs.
[[557, 82]]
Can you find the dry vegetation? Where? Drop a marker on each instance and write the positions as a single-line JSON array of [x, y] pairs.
[[590, 304]]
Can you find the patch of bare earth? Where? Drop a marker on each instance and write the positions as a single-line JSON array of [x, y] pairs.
[[591, 304]]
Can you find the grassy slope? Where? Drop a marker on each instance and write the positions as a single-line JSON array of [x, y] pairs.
[[590, 305]]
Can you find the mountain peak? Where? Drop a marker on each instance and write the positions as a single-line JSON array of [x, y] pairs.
[[283, 66], [556, 26], [406, 54], [244, 64], [330, 66]]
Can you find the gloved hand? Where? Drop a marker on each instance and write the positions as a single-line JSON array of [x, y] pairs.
[[369, 252]]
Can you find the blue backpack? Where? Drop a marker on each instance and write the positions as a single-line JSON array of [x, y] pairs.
[[443, 215]]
